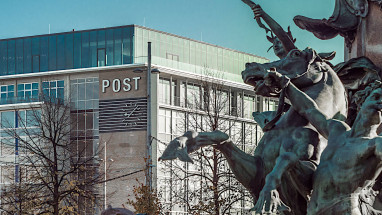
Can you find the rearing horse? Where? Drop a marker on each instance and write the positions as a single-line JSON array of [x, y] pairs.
[[288, 153]]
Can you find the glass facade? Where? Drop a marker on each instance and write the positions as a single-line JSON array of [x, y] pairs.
[[84, 99], [10, 148], [70, 50], [118, 46], [190, 55], [180, 109]]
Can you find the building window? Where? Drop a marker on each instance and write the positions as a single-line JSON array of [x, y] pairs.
[[7, 93], [53, 89], [249, 106], [270, 104], [194, 95], [27, 92], [7, 174], [84, 99], [172, 57], [8, 119], [7, 146], [84, 93], [164, 91], [167, 92], [101, 57]]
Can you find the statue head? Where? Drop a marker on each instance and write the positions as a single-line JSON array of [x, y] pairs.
[[277, 46], [361, 95], [369, 102]]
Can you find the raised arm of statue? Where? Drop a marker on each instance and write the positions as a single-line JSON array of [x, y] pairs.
[[301, 102], [283, 36]]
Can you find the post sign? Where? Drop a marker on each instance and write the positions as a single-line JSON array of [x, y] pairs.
[[118, 85]]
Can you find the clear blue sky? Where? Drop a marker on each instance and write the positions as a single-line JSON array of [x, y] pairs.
[[227, 23]]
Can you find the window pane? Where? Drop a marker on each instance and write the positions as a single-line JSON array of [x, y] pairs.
[[44, 44], [36, 63], [53, 93], [117, 46], [81, 91], [52, 53], [11, 57], [32, 117], [19, 56], [127, 46], [20, 87], [28, 94], [89, 91], [109, 47], [27, 55], [45, 84], [11, 88], [101, 57], [77, 50], [93, 49], [69, 51], [8, 119], [60, 93], [101, 39], [60, 52], [3, 57], [85, 50], [60, 83], [35, 45]]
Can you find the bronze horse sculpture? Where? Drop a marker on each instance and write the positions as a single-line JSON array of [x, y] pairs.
[[289, 141]]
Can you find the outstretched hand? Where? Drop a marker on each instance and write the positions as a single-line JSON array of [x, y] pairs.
[[276, 80], [211, 138], [269, 202], [258, 11]]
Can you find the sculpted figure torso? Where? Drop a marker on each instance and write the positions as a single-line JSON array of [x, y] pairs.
[[352, 160]]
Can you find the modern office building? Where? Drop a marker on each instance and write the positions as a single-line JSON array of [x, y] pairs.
[[100, 72]]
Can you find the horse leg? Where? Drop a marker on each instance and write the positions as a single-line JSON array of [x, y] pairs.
[[248, 169]]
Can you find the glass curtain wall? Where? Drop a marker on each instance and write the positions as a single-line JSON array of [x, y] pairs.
[[84, 113], [190, 55], [72, 50], [174, 119], [9, 146]]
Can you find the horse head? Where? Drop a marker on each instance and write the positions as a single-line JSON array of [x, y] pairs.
[[304, 68]]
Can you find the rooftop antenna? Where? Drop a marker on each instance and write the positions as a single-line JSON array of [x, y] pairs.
[[49, 28], [144, 21], [201, 36]]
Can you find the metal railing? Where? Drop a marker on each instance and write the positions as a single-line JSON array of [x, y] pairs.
[[18, 100]]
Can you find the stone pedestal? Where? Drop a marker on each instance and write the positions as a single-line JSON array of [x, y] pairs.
[[368, 41]]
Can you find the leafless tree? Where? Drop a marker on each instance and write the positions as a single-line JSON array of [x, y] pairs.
[[214, 187], [54, 172]]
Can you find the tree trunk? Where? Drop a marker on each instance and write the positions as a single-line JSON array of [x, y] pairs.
[[215, 181]]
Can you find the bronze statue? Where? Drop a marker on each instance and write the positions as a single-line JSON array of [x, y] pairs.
[[344, 21], [282, 41], [292, 142], [352, 160], [282, 172]]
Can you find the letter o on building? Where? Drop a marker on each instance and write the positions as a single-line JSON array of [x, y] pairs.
[[116, 85]]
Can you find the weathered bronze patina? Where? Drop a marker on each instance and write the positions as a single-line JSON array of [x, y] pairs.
[[292, 145], [311, 159]]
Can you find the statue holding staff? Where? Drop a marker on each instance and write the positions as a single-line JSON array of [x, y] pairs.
[[352, 160]]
